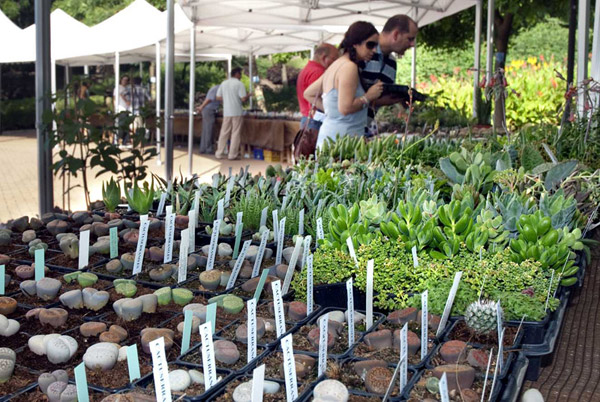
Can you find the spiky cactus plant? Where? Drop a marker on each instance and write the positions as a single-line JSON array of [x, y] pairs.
[[481, 316]]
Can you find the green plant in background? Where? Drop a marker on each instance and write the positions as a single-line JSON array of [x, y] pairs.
[[141, 199], [456, 223], [409, 226], [252, 205], [511, 207], [560, 209], [111, 195], [344, 224]]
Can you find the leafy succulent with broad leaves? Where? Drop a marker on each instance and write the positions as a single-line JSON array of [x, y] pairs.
[[140, 200]]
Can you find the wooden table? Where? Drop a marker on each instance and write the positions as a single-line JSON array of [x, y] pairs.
[[273, 134]]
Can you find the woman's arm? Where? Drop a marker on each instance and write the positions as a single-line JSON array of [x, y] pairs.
[[347, 82], [313, 92]]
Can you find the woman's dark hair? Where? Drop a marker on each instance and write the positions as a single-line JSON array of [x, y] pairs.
[[356, 34]]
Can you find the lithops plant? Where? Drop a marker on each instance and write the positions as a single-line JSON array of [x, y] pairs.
[[46, 288], [5, 237], [125, 287], [7, 364], [131, 309], [56, 387], [482, 316], [8, 327], [114, 266], [182, 296], [36, 244], [69, 244], [57, 348], [163, 272], [84, 279], [101, 356], [89, 298], [8, 305], [55, 317], [45, 379]]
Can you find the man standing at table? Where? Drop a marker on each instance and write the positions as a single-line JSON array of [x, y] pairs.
[[233, 94], [325, 54], [398, 35], [208, 108]]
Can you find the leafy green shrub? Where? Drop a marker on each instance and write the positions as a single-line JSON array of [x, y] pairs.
[[18, 114]]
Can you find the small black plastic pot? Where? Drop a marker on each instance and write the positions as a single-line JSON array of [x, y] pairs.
[[248, 376], [515, 345], [335, 295], [512, 387]]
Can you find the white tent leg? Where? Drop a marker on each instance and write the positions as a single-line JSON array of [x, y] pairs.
[[229, 67], [489, 62], [477, 57], [596, 52], [191, 113], [583, 27], [86, 70], [157, 78], [169, 93], [116, 92], [67, 82], [413, 66]]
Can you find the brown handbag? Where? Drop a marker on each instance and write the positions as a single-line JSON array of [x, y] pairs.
[[305, 142]]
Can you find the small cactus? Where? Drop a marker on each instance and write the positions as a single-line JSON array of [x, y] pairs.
[[481, 316]]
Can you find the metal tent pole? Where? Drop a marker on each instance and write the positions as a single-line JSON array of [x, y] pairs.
[[229, 67], [596, 52], [477, 58], [191, 112], [42, 92], [251, 83], [157, 78], [413, 66], [169, 93], [583, 27], [489, 51]]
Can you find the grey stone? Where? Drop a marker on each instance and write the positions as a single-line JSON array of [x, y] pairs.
[[331, 390]]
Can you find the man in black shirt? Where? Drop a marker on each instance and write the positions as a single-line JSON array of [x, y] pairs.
[[399, 34]]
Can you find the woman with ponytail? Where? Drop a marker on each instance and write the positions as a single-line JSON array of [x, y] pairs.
[[344, 100]]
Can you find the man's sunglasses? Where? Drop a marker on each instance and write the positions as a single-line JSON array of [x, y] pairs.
[[371, 45]]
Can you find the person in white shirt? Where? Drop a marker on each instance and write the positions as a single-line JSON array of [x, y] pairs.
[[233, 94]]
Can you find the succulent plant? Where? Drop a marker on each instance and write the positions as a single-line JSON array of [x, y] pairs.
[[36, 244], [69, 244], [182, 296], [5, 237], [84, 279], [141, 200], [111, 195], [125, 287], [8, 357], [481, 316], [164, 296]]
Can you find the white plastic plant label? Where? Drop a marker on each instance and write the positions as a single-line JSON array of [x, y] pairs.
[[143, 218], [220, 209], [84, 249], [320, 233], [238, 265], [280, 241], [370, 269], [415, 256], [183, 254], [424, 323], [292, 267], [214, 240], [239, 227], [370, 156], [228, 190], [2, 278], [549, 291], [350, 245], [169, 236], [40, 264], [160, 369], [444, 388], [404, 356], [192, 222], [279, 313], [169, 209], [305, 250], [197, 195], [449, 303], [284, 202], [208, 355], [114, 242], [258, 381], [289, 367], [263, 217], [275, 214], [390, 387], [500, 362], [323, 335], [251, 328], [499, 317], [161, 204], [301, 222], [276, 189], [261, 252], [81, 383], [309, 285], [141, 247], [350, 299], [487, 374]]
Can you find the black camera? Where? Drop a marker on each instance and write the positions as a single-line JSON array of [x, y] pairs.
[[402, 92]]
